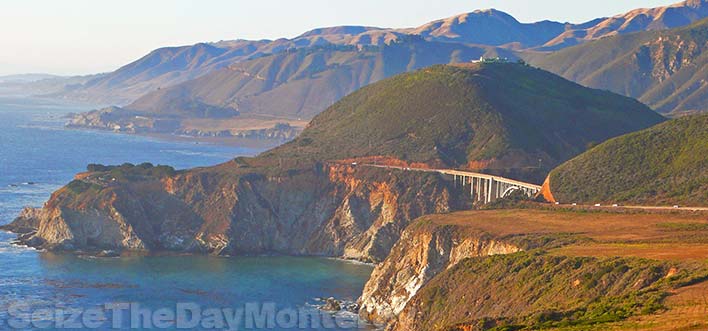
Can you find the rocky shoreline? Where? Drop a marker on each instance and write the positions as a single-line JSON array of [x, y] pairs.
[[282, 132], [338, 211], [458, 268], [121, 120], [420, 254]]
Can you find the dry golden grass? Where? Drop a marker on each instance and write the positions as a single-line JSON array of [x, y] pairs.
[[601, 227], [240, 123], [654, 251], [678, 236], [687, 310]]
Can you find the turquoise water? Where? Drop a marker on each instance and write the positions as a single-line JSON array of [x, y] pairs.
[[41, 290]]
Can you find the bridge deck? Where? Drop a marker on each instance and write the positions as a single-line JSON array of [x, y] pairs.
[[488, 177], [465, 174]]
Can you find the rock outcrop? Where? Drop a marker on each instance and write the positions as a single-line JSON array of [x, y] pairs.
[[26, 222], [423, 251], [333, 210], [124, 120]]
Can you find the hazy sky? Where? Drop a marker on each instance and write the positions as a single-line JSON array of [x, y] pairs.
[[90, 36]]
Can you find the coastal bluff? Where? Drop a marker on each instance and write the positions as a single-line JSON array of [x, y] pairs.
[[324, 210]]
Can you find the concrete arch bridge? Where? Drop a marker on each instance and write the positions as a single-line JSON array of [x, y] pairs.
[[482, 187]]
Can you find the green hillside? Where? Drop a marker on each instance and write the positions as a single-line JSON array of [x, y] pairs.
[[666, 70], [663, 165], [498, 117]]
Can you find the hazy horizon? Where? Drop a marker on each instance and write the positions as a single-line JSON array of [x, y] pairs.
[[79, 37]]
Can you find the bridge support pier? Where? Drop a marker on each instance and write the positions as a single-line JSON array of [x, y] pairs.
[[487, 188]]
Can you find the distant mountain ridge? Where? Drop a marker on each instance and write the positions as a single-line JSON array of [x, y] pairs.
[[302, 83], [24, 85], [172, 65], [667, 69], [494, 27], [643, 19], [26, 78], [490, 27]]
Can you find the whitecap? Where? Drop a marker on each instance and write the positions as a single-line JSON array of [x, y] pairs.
[[191, 153], [40, 127], [350, 261]]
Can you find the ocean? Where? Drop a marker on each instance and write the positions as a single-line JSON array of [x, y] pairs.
[[48, 291]]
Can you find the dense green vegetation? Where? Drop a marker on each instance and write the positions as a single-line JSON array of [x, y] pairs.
[[80, 187], [131, 171], [99, 176], [666, 164], [539, 291], [507, 114], [664, 69]]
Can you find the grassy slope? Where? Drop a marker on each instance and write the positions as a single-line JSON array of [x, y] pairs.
[[507, 114], [557, 285], [663, 69], [665, 164]]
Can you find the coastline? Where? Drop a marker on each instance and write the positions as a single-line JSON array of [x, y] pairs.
[[74, 106], [352, 261], [17, 241], [261, 144]]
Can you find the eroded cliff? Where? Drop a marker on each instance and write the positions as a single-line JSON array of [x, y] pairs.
[[331, 210], [423, 251], [532, 270]]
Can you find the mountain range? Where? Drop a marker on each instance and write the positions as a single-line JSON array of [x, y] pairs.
[[664, 69], [223, 88], [168, 66], [289, 86]]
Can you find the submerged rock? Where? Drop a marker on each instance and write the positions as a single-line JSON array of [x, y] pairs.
[[331, 304], [334, 305], [108, 253]]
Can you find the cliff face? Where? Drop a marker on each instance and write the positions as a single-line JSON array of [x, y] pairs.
[[326, 210], [423, 251], [523, 270]]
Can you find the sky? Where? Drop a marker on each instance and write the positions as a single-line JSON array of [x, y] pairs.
[[70, 37]]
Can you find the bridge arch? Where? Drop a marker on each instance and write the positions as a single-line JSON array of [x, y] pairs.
[[512, 189]]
